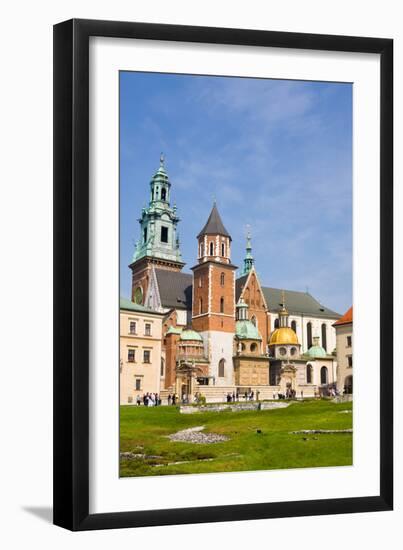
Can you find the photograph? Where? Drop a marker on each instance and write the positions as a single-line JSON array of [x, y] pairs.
[[236, 318]]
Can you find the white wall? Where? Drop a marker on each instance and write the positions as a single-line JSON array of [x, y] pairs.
[[26, 225]]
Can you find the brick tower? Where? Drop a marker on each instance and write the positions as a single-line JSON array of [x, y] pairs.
[[159, 242], [213, 311]]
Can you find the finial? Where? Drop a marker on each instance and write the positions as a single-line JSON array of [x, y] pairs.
[[283, 298], [162, 159], [214, 200], [248, 235]]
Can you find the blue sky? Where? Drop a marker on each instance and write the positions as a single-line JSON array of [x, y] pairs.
[[276, 154]]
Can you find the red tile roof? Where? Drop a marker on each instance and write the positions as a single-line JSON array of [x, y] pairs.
[[346, 318]]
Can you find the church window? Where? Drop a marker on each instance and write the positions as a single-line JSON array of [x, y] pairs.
[[294, 326], [309, 334], [221, 368], [132, 327], [131, 355], [201, 305], [293, 351], [164, 234], [163, 194], [253, 319], [323, 375], [309, 370], [201, 250], [145, 234], [222, 304], [282, 351], [243, 347], [253, 347], [276, 323], [222, 279], [324, 336], [222, 249], [211, 249]]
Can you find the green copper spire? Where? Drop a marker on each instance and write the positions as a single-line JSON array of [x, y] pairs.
[[249, 260], [158, 222]]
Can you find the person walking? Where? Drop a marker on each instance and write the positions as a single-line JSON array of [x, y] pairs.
[[169, 399]]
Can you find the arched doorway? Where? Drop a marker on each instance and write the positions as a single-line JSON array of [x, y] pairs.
[[348, 384]]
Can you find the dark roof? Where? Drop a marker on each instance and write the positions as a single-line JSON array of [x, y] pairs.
[[296, 302], [176, 292], [175, 289], [214, 225]]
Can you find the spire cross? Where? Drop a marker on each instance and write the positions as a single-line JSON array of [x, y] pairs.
[[162, 159], [283, 298]]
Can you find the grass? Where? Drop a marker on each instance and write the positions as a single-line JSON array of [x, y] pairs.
[[142, 431]]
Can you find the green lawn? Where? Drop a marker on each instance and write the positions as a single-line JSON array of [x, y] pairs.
[[142, 431]]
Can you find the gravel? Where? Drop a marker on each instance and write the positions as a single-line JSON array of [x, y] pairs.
[[194, 435]]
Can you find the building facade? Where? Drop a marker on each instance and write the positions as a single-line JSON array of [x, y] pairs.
[[141, 365], [344, 347], [220, 331]]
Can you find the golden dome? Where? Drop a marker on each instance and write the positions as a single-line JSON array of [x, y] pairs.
[[283, 335]]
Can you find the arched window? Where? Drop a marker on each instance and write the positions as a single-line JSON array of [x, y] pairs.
[[276, 323], [324, 336], [309, 334], [253, 320], [323, 375], [222, 304], [201, 305], [201, 250], [309, 370], [221, 368], [222, 279], [211, 249], [222, 249], [294, 326], [163, 194], [253, 347], [243, 347]]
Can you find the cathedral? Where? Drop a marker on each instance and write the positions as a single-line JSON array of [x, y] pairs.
[[223, 331]]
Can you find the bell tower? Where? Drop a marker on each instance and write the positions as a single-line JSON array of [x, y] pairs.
[[214, 278], [158, 244], [213, 311]]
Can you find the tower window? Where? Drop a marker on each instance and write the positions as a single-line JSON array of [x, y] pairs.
[[200, 282], [294, 326], [222, 304], [164, 234], [145, 234], [201, 305], [222, 279], [211, 249], [222, 249], [163, 194], [253, 347], [253, 320]]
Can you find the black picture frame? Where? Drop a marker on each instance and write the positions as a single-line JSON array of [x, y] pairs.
[[71, 273]]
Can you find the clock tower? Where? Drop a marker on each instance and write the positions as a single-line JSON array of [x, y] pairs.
[[158, 244]]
